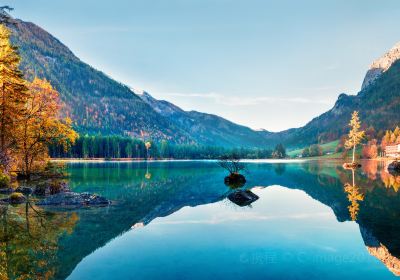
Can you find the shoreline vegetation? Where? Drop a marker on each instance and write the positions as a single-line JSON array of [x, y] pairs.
[[322, 158], [30, 122]]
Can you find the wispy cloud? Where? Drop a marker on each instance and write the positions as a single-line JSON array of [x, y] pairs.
[[247, 101], [218, 219]]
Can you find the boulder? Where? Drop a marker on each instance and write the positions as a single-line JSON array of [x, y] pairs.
[[394, 166], [51, 187], [243, 197], [235, 180], [351, 165], [24, 190], [6, 190], [15, 198], [74, 199]]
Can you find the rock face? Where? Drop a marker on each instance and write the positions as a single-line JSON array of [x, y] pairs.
[[74, 199], [381, 65]]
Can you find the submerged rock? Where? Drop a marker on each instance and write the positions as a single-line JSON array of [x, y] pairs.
[[243, 198], [74, 199]]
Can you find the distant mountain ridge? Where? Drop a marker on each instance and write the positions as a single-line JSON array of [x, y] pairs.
[[207, 128], [98, 104]]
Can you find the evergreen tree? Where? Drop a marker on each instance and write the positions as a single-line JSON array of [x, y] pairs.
[[279, 152]]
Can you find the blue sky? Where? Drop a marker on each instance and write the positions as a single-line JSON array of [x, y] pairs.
[[264, 64]]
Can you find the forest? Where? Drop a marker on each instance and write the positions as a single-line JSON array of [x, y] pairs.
[[112, 147]]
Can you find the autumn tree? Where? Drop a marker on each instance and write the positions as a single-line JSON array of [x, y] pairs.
[[41, 126], [355, 135], [148, 146], [231, 163], [371, 149], [13, 94]]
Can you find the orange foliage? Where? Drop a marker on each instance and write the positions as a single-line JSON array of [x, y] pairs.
[[42, 126]]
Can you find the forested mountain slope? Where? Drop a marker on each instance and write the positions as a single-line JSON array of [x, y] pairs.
[[95, 102]]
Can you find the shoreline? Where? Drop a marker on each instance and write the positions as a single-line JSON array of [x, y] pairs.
[[172, 159]]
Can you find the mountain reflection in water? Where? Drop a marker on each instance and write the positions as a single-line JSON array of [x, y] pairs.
[[49, 244]]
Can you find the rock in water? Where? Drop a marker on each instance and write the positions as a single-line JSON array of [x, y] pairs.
[[6, 190], [74, 199], [235, 180], [353, 165], [51, 187], [14, 198], [243, 198], [24, 190], [394, 166]]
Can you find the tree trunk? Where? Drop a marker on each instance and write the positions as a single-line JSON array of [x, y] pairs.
[[354, 149], [2, 138]]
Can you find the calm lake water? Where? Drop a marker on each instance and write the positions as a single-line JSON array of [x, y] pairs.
[[175, 220]]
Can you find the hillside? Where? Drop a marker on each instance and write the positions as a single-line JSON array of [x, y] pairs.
[[207, 128], [95, 102], [378, 104], [98, 104]]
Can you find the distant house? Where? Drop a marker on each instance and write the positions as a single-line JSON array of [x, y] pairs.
[[393, 151]]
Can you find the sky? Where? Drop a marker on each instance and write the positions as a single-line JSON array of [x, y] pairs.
[[264, 64]]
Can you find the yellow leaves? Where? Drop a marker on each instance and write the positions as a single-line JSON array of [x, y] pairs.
[[354, 196], [355, 135], [148, 145], [13, 94], [42, 125]]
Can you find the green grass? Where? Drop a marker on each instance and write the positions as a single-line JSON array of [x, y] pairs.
[[329, 147]]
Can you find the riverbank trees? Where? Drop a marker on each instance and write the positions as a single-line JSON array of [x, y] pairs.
[[29, 116]]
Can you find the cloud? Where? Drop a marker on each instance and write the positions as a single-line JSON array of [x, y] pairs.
[[248, 101], [226, 218]]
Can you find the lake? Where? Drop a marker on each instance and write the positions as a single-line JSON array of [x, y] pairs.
[[178, 220]]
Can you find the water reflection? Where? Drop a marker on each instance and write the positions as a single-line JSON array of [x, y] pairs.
[[354, 196], [55, 243], [29, 241]]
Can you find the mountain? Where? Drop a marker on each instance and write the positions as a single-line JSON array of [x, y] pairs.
[[207, 128], [378, 103], [381, 65], [95, 102], [98, 104]]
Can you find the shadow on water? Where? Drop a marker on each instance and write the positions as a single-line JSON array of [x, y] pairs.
[[41, 244]]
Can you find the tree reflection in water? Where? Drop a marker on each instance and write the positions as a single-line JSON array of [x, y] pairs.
[[354, 196], [29, 241]]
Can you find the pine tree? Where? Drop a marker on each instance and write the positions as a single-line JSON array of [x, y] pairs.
[[355, 135], [13, 91]]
